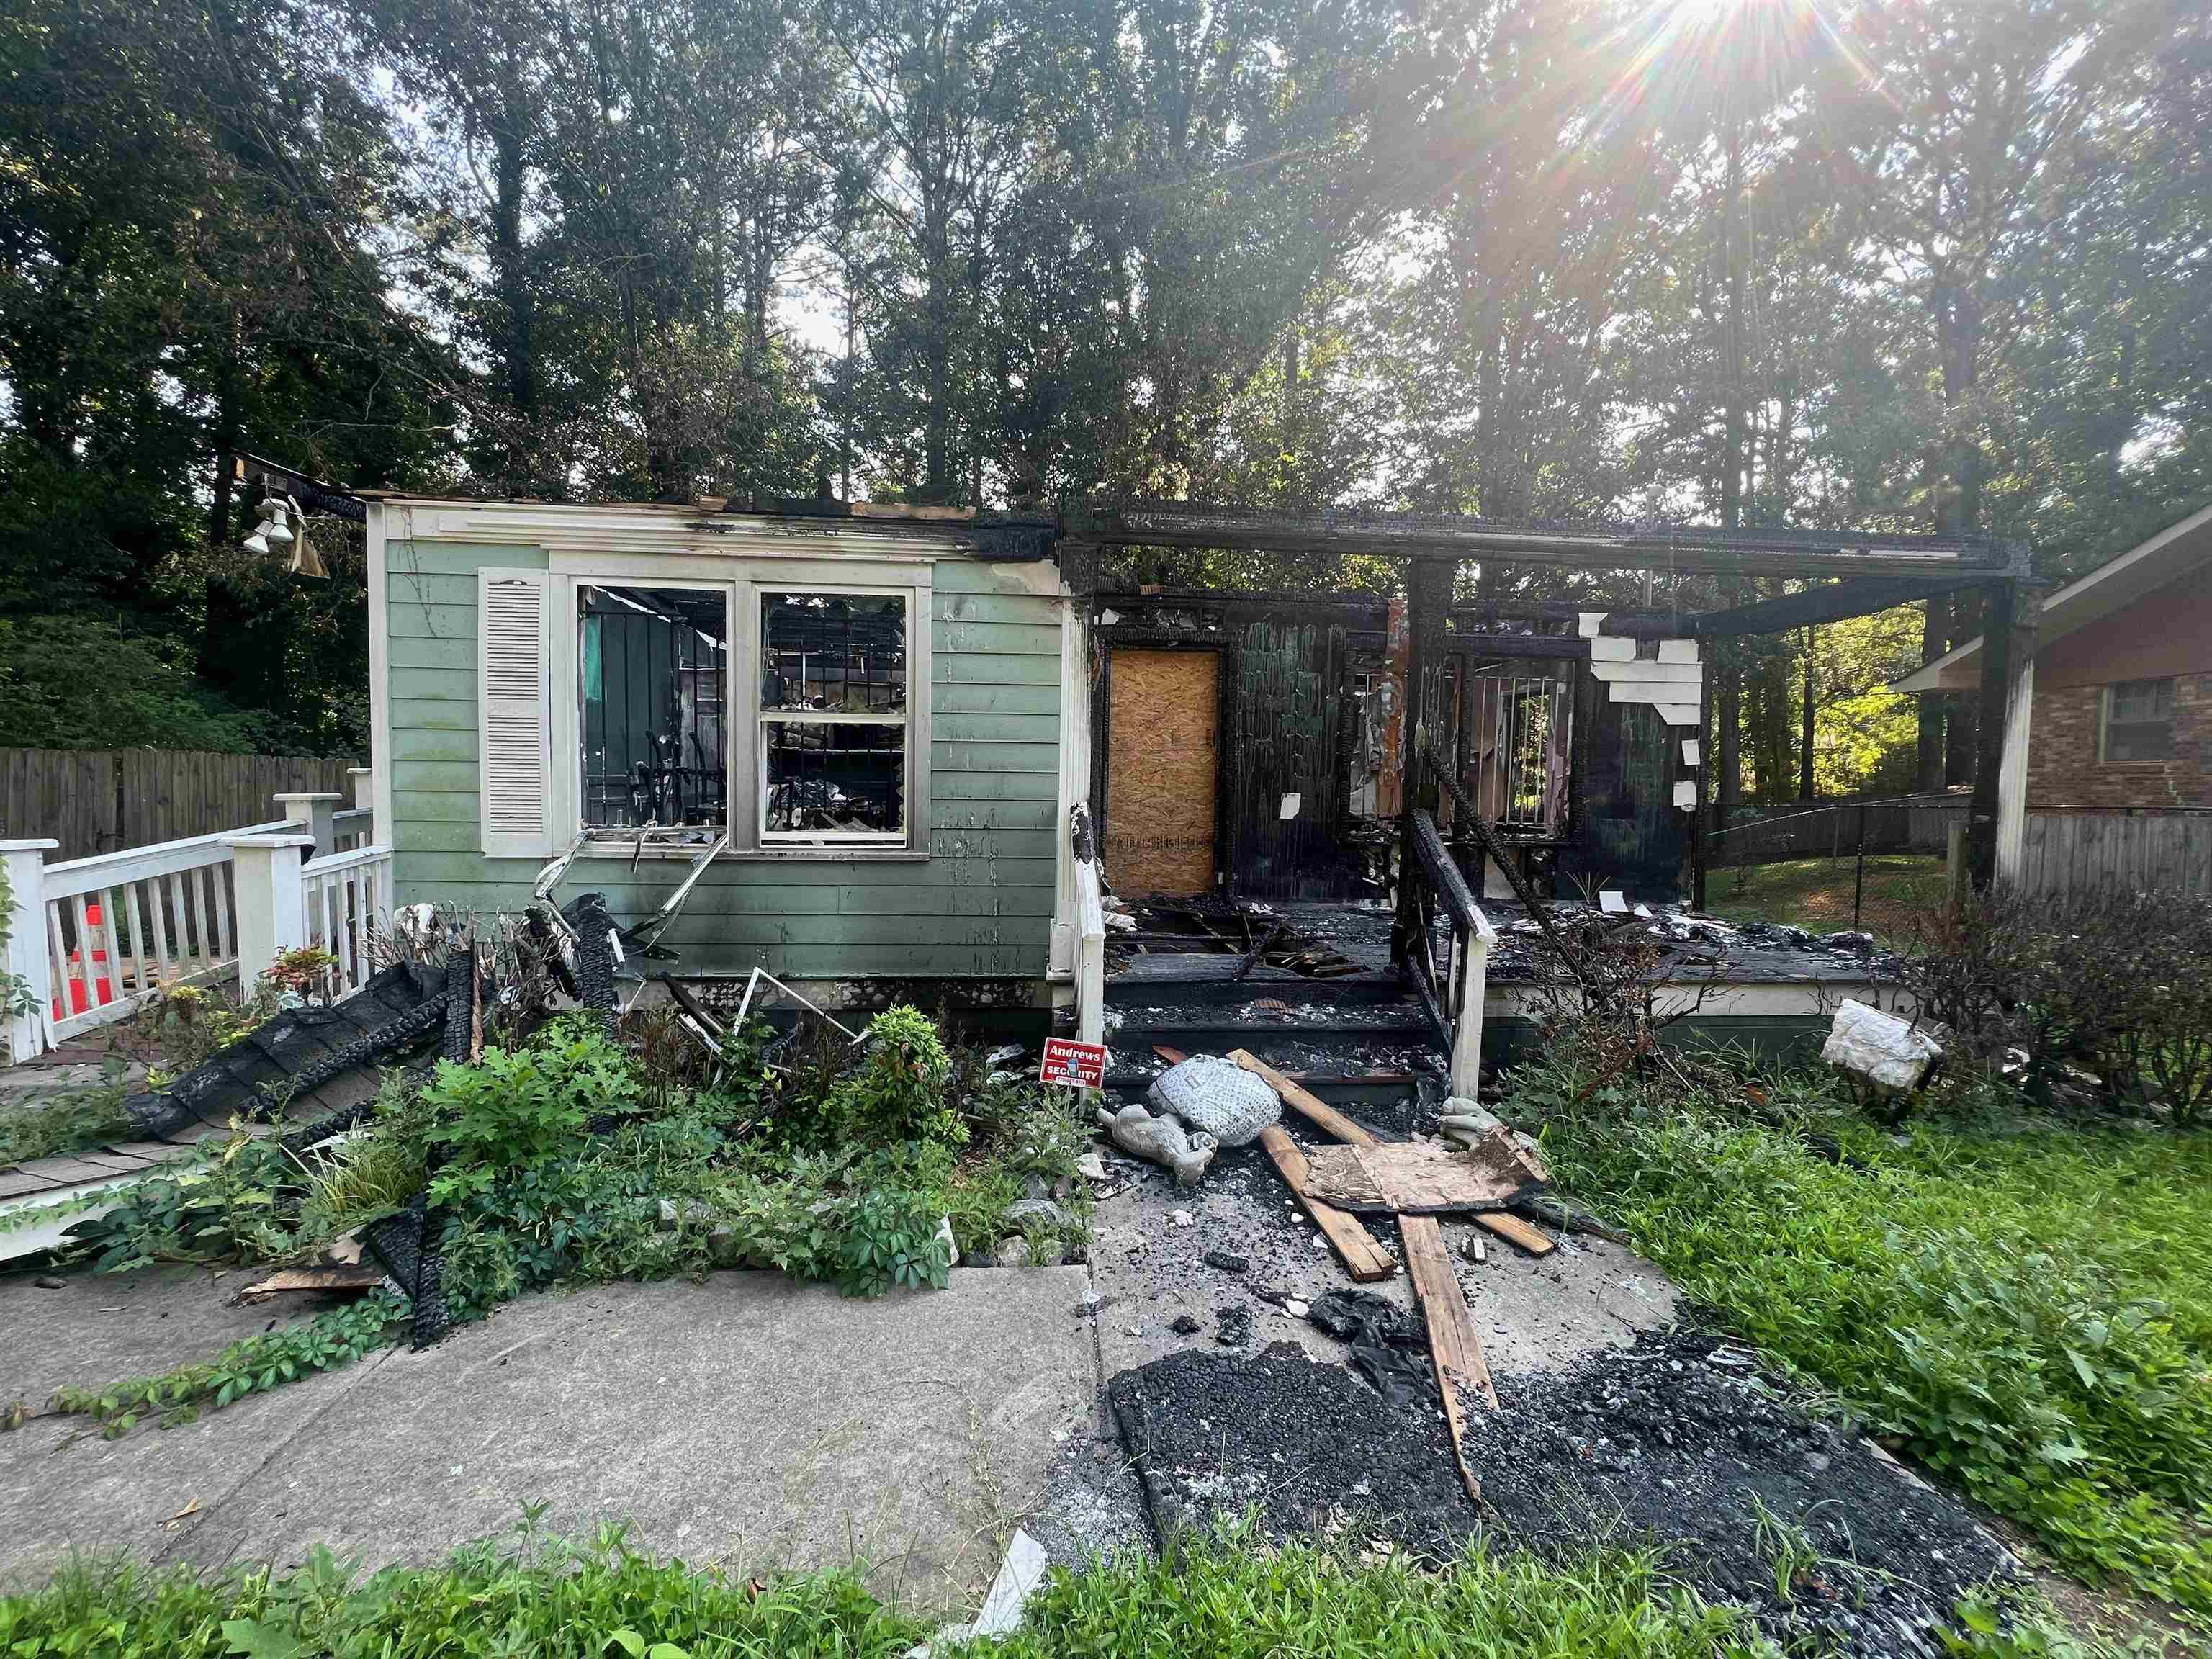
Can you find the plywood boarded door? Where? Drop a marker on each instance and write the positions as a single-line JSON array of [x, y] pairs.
[[1162, 761]]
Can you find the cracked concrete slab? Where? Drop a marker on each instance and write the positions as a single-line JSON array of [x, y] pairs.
[[745, 1420]]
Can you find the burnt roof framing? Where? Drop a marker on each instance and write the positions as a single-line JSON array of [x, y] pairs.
[[1808, 554]]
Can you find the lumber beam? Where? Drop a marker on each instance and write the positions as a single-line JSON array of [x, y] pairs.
[[1858, 595], [1363, 1258], [1515, 1231], [1453, 1350], [1309, 1106]]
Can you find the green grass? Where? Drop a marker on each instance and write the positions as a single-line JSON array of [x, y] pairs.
[[2028, 1308], [552, 1600], [1815, 893]]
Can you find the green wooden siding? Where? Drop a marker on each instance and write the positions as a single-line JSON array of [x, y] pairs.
[[981, 904]]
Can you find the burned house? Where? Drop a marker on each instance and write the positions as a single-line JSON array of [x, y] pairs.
[[883, 743]]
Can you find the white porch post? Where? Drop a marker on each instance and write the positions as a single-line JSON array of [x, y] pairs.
[[27, 954], [1466, 1036], [364, 787], [272, 912], [2012, 771], [315, 815]]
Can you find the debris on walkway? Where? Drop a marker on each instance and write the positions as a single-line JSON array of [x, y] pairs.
[[1217, 1097], [1159, 1140]]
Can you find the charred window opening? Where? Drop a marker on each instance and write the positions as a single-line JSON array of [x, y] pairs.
[[833, 718], [653, 672]]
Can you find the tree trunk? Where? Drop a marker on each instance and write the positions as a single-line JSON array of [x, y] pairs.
[[516, 347], [1805, 725]]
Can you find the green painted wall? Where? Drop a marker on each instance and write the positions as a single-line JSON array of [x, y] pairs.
[[981, 905]]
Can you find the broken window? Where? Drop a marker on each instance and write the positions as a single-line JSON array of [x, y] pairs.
[[653, 672], [833, 717], [2139, 720]]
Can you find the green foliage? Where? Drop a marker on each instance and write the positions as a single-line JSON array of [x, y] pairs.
[[549, 1598], [149, 698], [16, 996], [228, 1203], [66, 1122], [334, 1338], [898, 1091], [891, 1243], [560, 1600], [517, 1109], [186, 1024], [2023, 1305]]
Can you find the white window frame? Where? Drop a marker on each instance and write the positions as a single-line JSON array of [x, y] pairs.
[[565, 596], [2105, 722], [780, 839], [744, 579]]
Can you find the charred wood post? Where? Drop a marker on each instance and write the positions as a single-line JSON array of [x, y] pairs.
[[1428, 600]]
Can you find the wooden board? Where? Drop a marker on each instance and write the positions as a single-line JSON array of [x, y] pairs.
[[1413, 1178], [1363, 1258], [1162, 765], [1315, 1110], [1453, 1347], [1516, 1232]]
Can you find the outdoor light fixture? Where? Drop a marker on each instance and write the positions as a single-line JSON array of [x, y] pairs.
[[275, 531]]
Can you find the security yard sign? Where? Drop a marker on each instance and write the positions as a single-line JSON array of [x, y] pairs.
[[1072, 1065]]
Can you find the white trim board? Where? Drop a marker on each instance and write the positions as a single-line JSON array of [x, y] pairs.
[[1645, 670]]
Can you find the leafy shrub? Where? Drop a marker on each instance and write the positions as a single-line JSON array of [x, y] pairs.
[[228, 1203], [64, 1123], [182, 1025], [891, 1243], [2116, 983], [898, 1092], [518, 1109]]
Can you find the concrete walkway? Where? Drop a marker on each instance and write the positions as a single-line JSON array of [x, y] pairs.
[[748, 1421]]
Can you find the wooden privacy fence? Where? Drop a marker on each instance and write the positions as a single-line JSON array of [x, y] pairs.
[[99, 800], [2071, 849]]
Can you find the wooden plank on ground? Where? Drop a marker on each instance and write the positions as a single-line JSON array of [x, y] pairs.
[[1415, 1177], [1516, 1232], [1315, 1110], [1453, 1347], [1363, 1258]]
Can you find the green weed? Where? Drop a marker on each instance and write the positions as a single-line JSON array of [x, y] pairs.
[[2023, 1306], [68, 1122], [332, 1338]]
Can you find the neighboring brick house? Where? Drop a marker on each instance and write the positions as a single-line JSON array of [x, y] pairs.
[[2121, 707]]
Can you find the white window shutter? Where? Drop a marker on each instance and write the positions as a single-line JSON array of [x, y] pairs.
[[514, 760]]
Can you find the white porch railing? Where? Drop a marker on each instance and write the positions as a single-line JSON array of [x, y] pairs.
[[92, 939], [343, 898]]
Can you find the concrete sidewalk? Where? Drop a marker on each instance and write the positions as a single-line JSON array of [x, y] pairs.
[[748, 1421]]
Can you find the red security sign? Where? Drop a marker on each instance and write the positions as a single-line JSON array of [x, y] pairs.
[[1072, 1065]]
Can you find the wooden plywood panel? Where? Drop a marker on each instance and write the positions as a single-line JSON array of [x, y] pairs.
[[1162, 764]]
